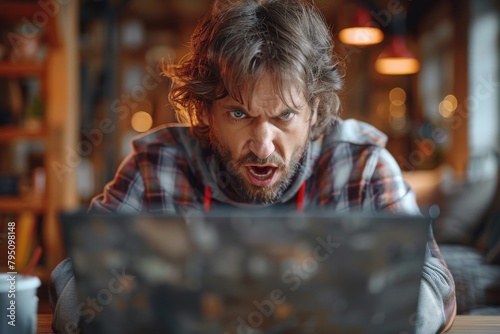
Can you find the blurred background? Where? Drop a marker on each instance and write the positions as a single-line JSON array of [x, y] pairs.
[[79, 79]]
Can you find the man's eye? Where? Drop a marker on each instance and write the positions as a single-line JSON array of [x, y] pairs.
[[287, 116], [237, 114]]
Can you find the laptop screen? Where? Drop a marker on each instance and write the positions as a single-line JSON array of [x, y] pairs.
[[247, 272]]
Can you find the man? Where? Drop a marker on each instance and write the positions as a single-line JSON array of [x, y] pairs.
[[259, 93]]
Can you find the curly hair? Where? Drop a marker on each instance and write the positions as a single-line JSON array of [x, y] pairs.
[[238, 41]]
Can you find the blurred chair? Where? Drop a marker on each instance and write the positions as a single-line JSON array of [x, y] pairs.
[[468, 234]]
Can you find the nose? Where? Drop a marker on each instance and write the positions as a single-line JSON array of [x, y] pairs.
[[262, 142]]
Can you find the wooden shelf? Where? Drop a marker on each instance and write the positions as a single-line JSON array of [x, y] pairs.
[[16, 70], [17, 204], [58, 24], [13, 12], [14, 133]]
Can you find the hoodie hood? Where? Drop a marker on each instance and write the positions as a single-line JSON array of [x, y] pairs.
[[206, 164], [213, 176]]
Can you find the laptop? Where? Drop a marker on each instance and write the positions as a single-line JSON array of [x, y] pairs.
[[246, 272]]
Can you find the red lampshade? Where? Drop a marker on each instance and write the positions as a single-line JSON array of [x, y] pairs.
[[396, 59], [363, 32]]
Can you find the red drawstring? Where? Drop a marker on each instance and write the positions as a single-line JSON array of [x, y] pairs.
[[208, 196], [300, 198]]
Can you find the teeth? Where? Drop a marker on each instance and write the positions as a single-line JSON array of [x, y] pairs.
[[261, 176]]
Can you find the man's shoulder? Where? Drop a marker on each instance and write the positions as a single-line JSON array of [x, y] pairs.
[[167, 136], [355, 132]]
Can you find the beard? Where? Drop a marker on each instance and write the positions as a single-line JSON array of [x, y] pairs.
[[251, 193]]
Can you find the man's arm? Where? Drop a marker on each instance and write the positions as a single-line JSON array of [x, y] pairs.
[[125, 193], [437, 302], [386, 190]]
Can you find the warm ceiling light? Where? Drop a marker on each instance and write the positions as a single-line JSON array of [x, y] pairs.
[[361, 36], [396, 59], [362, 32]]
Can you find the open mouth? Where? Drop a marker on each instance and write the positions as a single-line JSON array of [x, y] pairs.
[[261, 172], [261, 175]]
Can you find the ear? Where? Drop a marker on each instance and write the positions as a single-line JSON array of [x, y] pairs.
[[314, 111], [203, 117]]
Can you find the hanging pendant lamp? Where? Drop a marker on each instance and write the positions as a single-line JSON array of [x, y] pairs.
[[363, 31]]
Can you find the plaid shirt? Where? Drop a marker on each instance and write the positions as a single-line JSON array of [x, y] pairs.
[[346, 169]]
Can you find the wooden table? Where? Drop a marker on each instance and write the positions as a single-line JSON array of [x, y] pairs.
[[464, 324], [43, 325], [475, 324]]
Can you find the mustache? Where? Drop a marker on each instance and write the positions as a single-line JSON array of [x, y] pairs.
[[251, 158]]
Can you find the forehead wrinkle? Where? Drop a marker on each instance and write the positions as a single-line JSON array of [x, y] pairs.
[[277, 96], [271, 103], [241, 83]]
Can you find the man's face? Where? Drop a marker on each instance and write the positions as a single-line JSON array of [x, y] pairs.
[[262, 141]]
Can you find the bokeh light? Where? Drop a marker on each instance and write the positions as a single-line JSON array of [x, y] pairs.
[[141, 121], [397, 123], [397, 110], [453, 100], [397, 96]]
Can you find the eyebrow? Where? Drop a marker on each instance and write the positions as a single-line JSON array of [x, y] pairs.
[[233, 106]]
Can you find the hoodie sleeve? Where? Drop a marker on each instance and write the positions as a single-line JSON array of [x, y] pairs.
[[386, 190], [63, 298], [437, 303], [125, 193]]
